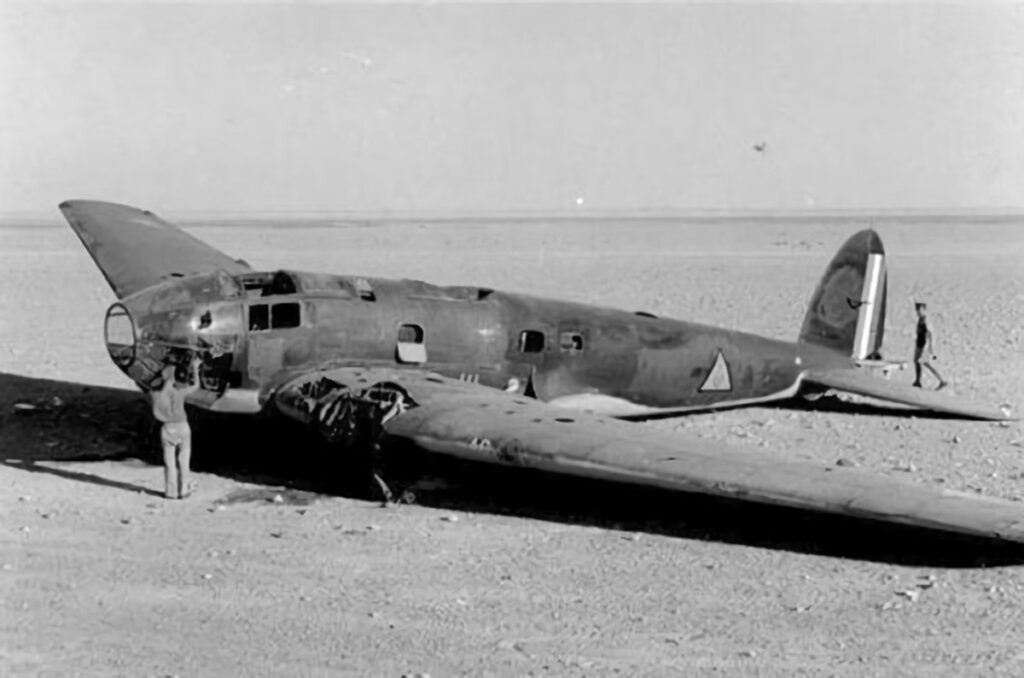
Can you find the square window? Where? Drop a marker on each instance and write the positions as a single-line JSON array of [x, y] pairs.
[[410, 334], [259, 318], [285, 315], [531, 341], [571, 342]]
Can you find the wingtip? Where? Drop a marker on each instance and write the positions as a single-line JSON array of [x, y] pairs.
[[79, 203]]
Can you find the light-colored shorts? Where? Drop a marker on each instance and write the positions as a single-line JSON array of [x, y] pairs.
[[175, 432]]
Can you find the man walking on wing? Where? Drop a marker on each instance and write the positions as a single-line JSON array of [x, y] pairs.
[[923, 349], [175, 433]]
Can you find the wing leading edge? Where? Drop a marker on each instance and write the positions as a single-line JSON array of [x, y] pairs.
[[136, 249], [470, 421]]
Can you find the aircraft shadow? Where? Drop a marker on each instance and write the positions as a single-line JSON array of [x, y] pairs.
[[90, 424]]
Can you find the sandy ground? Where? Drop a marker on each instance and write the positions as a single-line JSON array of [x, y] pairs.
[[492, 573]]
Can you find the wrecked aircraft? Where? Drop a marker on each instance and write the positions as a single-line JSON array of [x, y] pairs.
[[512, 379]]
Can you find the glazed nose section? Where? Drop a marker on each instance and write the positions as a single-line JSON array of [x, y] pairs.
[[120, 336], [141, 362], [140, 344]]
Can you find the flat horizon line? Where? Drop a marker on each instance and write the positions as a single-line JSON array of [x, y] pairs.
[[570, 214]]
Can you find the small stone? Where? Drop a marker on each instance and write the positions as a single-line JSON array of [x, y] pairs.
[[373, 528], [56, 401], [207, 576], [843, 461], [277, 535], [126, 521], [305, 599], [632, 537], [24, 497], [910, 594], [26, 529], [450, 518], [277, 499], [956, 439], [748, 654]]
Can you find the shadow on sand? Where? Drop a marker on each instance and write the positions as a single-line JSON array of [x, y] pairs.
[[89, 423]]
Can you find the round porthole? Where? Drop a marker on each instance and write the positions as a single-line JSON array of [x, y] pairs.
[[119, 335]]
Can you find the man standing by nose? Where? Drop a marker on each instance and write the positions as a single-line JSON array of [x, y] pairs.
[[175, 434]]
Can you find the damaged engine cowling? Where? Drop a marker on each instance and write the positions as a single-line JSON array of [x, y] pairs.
[[343, 415]]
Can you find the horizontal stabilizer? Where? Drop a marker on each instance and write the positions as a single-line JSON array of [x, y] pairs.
[[864, 384], [136, 249]]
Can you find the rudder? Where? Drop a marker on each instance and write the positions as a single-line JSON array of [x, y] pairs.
[[847, 311]]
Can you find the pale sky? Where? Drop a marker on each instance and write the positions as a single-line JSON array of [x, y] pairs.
[[512, 107]]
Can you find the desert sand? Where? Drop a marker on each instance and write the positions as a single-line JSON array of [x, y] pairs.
[[267, 570]]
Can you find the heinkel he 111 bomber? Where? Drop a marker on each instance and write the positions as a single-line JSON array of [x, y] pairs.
[[512, 379]]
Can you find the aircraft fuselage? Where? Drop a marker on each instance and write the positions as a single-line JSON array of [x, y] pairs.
[[257, 328]]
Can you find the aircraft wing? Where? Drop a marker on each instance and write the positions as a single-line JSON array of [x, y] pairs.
[[474, 422], [862, 383], [136, 249]]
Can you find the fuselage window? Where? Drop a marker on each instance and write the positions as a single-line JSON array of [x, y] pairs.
[[259, 318], [410, 334], [365, 290], [531, 341], [571, 342], [279, 316], [285, 315], [410, 346]]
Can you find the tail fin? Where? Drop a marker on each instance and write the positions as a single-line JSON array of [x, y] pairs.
[[847, 311]]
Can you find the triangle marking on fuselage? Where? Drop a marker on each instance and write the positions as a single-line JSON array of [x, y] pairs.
[[718, 378]]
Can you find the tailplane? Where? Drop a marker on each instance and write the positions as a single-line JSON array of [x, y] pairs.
[[847, 311]]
